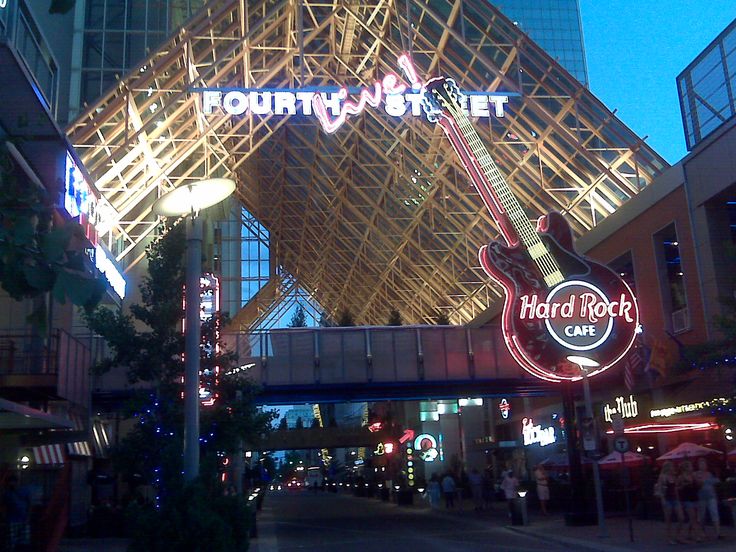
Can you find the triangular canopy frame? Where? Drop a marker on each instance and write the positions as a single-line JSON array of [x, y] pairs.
[[379, 215]]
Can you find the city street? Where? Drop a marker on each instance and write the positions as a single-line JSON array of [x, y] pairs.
[[328, 522]]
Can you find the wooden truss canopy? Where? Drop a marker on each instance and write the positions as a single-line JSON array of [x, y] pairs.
[[379, 215]]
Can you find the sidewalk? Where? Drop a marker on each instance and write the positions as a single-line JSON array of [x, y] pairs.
[[649, 535]]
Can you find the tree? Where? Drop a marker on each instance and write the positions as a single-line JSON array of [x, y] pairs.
[[298, 319], [346, 318], [150, 344], [442, 319], [394, 318], [315, 422], [283, 424], [41, 253], [299, 423]]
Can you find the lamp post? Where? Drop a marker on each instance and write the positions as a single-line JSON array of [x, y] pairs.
[[585, 365], [189, 200]]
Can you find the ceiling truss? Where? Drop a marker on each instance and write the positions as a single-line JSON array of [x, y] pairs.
[[379, 215]]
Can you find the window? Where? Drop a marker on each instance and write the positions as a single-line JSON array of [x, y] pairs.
[[671, 278], [624, 267]]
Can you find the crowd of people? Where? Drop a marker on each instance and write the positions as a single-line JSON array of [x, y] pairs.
[[687, 496]]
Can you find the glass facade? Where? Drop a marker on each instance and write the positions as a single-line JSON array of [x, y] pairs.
[[707, 88], [117, 35], [554, 25]]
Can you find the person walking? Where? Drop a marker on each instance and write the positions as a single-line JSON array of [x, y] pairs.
[[509, 486], [476, 488], [448, 489], [669, 495], [687, 486], [707, 497], [540, 475], [434, 491]]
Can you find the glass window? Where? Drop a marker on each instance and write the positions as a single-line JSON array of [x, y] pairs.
[[671, 275], [624, 267]]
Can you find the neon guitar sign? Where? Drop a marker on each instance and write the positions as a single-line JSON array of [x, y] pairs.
[[563, 312]]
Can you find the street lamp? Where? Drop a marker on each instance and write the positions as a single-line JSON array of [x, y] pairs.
[[586, 364], [190, 199]]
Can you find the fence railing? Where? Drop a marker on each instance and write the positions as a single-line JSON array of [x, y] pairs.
[[304, 356], [61, 357]]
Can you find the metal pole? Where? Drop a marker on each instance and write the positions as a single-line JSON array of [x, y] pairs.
[[596, 472], [192, 338]]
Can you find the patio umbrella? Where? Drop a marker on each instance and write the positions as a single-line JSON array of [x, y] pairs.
[[613, 460], [560, 461], [687, 450]]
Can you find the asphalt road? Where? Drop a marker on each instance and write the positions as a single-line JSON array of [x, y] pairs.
[[328, 522]]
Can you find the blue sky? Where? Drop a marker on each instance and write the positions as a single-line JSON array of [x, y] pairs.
[[636, 48]]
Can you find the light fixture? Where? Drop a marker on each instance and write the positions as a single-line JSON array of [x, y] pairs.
[[521, 494], [193, 197], [24, 462], [190, 199]]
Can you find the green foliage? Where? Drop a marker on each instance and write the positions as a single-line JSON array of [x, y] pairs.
[[394, 318], [442, 319], [298, 319], [194, 520], [283, 424], [346, 319], [149, 343], [37, 253]]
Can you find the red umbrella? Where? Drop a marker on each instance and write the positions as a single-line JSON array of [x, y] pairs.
[[687, 450], [613, 460]]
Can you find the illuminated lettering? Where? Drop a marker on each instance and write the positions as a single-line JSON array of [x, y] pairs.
[[284, 103], [235, 103], [110, 271], [625, 408], [535, 434], [479, 106], [210, 99], [260, 102]]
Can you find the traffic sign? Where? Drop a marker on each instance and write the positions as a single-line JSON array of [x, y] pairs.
[[621, 444]]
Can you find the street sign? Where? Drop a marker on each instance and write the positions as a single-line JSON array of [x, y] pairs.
[[589, 441], [621, 444]]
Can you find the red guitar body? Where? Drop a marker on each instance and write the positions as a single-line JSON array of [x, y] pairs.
[[528, 340]]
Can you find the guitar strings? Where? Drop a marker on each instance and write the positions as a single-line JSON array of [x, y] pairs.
[[546, 263]]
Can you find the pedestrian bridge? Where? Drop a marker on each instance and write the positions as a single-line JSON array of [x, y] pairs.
[[380, 363]]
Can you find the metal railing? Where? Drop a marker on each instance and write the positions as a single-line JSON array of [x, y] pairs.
[[60, 356], [18, 28], [308, 356]]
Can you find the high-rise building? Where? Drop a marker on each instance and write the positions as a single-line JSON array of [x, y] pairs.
[[556, 26]]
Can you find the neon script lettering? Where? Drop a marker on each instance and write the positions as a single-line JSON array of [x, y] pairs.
[[585, 306], [535, 434]]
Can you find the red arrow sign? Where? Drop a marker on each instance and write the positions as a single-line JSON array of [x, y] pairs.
[[408, 434]]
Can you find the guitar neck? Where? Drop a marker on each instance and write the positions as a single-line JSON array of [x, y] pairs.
[[492, 186]]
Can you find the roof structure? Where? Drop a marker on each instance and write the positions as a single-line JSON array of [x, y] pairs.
[[379, 215]]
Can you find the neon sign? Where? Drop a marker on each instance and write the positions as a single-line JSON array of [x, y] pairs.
[[79, 199], [505, 409], [3, 3], [425, 446], [669, 428], [332, 106], [685, 408], [624, 408], [111, 273], [535, 434]]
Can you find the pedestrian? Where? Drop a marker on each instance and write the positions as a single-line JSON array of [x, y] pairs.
[[475, 480], [448, 489], [668, 492], [688, 488], [17, 503], [487, 488], [509, 486], [434, 491], [540, 475], [707, 497]]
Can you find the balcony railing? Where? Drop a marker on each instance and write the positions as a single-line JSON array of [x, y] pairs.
[[18, 28], [59, 363]]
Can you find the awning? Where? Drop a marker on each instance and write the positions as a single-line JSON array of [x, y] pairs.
[[80, 448], [16, 416], [48, 455]]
